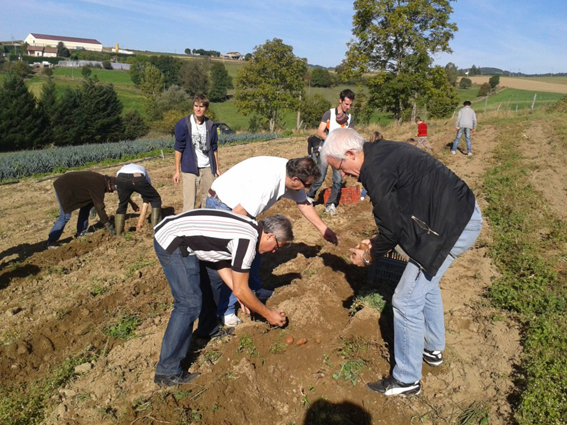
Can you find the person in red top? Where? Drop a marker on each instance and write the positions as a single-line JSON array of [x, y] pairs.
[[422, 135]]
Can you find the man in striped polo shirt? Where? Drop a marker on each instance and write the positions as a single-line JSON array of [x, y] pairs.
[[196, 247]]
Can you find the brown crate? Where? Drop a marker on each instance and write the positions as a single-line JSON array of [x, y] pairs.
[[349, 195]]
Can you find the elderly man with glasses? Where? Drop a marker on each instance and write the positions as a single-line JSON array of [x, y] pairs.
[[250, 188], [422, 206], [195, 248]]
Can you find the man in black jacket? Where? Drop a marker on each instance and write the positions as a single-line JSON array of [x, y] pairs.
[[422, 206]]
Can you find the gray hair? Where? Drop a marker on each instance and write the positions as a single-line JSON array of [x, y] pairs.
[[339, 141], [279, 226]]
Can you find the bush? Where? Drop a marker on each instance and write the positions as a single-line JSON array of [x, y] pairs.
[[106, 64], [134, 125], [484, 90], [465, 83], [494, 81]]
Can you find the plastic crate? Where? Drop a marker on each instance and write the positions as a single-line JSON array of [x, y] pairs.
[[349, 195], [388, 268]]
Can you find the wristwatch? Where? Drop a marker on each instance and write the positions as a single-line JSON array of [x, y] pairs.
[[364, 260]]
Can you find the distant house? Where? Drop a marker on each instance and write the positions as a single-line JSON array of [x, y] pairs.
[[40, 51], [234, 56], [71, 43]]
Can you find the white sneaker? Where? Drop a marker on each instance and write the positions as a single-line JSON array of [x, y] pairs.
[[263, 294], [311, 200], [469, 154], [231, 320], [453, 152], [331, 210]]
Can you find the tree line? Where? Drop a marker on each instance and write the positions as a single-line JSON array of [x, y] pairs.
[[91, 113]]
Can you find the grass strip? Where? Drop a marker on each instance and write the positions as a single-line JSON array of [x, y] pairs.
[[525, 230]]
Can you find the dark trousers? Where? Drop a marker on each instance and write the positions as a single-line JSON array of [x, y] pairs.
[[126, 184]]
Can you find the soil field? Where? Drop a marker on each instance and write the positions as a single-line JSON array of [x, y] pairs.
[[523, 84], [69, 303]]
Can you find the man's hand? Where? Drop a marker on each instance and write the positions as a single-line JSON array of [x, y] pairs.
[[176, 178], [330, 236], [108, 226], [356, 257], [276, 317], [135, 206]]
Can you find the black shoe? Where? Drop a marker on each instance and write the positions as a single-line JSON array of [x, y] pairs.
[[219, 333], [51, 245], [432, 358], [174, 380], [391, 386]]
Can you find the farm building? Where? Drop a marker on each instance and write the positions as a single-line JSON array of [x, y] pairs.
[[234, 56], [40, 51], [71, 43]]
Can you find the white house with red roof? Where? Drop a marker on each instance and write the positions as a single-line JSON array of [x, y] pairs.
[[71, 43]]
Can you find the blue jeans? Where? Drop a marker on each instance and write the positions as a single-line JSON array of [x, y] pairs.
[[335, 188], [460, 132], [190, 287], [418, 308], [82, 221], [227, 301]]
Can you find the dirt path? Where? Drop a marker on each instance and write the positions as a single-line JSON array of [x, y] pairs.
[[58, 304]]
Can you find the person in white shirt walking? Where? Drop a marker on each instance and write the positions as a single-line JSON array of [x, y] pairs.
[[466, 123]]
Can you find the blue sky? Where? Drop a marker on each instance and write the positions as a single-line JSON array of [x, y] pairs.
[[522, 35]]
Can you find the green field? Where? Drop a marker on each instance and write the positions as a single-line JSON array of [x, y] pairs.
[[512, 99]]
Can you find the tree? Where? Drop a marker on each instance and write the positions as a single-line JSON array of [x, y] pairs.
[[312, 109], [442, 97], [465, 83], [474, 70], [48, 103], [106, 64], [101, 113], [86, 72], [62, 51], [169, 67], [452, 73], [271, 83], [484, 89], [134, 125], [321, 78], [494, 81], [22, 123], [137, 67], [220, 82], [187, 51], [151, 85], [398, 38], [20, 68], [194, 76]]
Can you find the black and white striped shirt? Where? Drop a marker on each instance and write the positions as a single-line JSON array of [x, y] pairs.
[[211, 235]]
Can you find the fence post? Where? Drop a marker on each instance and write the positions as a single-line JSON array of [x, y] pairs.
[[533, 102]]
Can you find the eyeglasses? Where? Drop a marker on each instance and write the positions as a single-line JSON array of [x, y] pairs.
[[306, 185], [341, 165], [280, 245]]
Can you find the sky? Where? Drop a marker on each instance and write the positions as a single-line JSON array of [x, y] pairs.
[[526, 36]]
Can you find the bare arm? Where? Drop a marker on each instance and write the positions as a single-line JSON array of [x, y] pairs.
[[321, 130], [239, 209], [177, 175], [311, 215], [216, 154], [238, 282]]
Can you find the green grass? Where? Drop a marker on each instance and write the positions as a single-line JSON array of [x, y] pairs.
[[106, 76], [529, 284], [27, 404], [508, 99], [123, 328]]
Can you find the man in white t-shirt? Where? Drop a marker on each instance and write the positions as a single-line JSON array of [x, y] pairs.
[[196, 155], [135, 178], [254, 185]]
